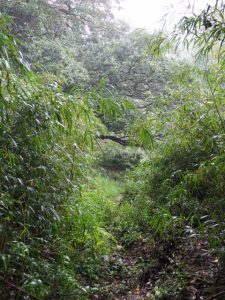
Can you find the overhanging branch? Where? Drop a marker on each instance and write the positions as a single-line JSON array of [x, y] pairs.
[[115, 139]]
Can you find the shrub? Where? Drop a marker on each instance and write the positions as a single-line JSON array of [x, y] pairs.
[[44, 140], [115, 158]]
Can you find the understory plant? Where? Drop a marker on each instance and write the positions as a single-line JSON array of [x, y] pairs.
[[182, 181], [46, 139]]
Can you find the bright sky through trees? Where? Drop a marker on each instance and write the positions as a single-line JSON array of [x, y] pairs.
[[148, 13]]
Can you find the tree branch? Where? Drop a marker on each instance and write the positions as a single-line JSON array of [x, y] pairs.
[[115, 139], [144, 106]]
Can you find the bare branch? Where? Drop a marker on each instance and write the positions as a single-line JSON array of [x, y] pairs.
[[116, 139]]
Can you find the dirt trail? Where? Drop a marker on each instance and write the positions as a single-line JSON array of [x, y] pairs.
[[185, 270], [193, 272]]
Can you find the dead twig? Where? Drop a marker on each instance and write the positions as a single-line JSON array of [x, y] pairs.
[[216, 295], [19, 289]]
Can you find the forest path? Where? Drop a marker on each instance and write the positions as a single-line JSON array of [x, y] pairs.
[[167, 268], [192, 271], [185, 270]]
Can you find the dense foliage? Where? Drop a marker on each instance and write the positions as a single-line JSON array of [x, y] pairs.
[[44, 139], [73, 78]]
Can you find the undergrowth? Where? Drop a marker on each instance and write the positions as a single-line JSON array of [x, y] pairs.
[[181, 183], [53, 229], [63, 225]]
